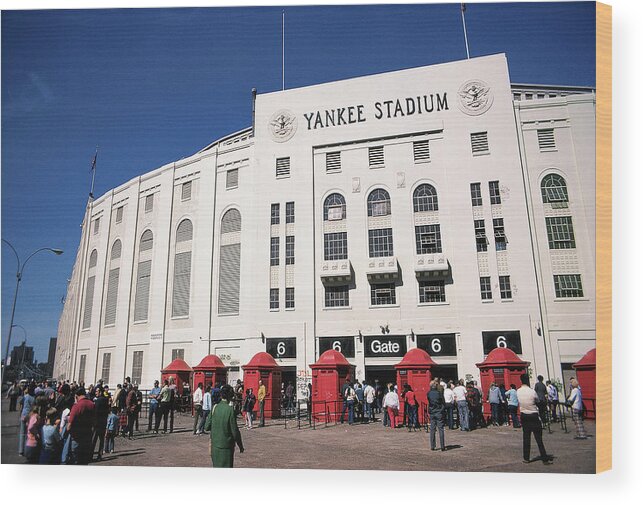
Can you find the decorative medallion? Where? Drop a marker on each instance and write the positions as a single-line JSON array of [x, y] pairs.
[[282, 125], [475, 97]]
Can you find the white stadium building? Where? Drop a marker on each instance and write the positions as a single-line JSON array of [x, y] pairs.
[[438, 207]]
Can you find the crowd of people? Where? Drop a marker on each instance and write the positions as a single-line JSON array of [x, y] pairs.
[[66, 423]]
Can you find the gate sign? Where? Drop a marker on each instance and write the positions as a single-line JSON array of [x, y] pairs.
[[509, 339], [345, 345], [385, 346], [282, 347], [440, 344]]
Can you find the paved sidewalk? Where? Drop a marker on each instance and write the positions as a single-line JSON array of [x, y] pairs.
[[363, 447]]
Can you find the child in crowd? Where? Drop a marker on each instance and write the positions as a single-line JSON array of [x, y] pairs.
[[111, 431], [51, 441]]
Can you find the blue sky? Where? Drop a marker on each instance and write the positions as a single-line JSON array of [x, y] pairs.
[[150, 86]]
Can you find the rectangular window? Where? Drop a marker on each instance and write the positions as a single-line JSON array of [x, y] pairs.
[[119, 215], [485, 288], [290, 298], [181, 288], [283, 167], [380, 243], [290, 250], [96, 225], [107, 361], [546, 141], [476, 194], [421, 151], [505, 287], [274, 298], [479, 143], [232, 179], [432, 291], [568, 286], [376, 156], [334, 162], [499, 234], [178, 354], [137, 367], [141, 300], [290, 212], [481, 235], [383, 294], [274, 213], [186, 191], [149, 203], [560, 232], [81, 368], [335, 246], [494, 192], [428, 239], [274, 251], [336, 296]]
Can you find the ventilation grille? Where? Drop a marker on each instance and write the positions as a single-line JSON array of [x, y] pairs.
[[112, 297], [186, 191], [116, 250], [231, 221], [184, 231], [229, 278], [119, 215], [283, 167], [376, 156], [181, 291], [333, 162], [147, 241], [89, 303], [546, 140], [479, 143], [93, 259], [232, 179], [149, 203], [421, 151]]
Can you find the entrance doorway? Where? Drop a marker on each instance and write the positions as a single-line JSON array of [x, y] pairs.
[[446, 372], [384, 374]]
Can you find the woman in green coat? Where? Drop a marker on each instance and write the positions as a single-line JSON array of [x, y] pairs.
[[224, 432]]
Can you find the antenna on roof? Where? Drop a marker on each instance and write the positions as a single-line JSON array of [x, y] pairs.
[[283, 50], [93, 169], [463, 8]]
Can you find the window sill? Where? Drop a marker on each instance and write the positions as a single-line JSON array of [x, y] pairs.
[[228, 314], [484, 153], [432, 304], [283, 177], [289, 309], [348, 307], [178, 318], [231, 187], [274, 310], [110, 326], [375, 167], [140, 322], [550, 150], [395, 306], [572, 299], [506, 300], [487, 301], [421, 162]]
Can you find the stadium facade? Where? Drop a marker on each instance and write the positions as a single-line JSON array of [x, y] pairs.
[[438, 207]]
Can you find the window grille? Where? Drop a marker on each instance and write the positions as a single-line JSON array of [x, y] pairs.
[[421, 151], [568, 286], [283, 167], [479, 143], [546, 141], [376, 156], [334, 162]]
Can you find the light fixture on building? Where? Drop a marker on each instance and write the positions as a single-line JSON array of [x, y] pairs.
[[360, 336], [412, 335], [385, 329], [263, 338], [538, 330]]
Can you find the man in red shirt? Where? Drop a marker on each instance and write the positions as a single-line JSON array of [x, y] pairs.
[[411, 407], [80, 426]]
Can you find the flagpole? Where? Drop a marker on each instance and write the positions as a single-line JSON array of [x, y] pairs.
[[463, 7], [91, 189], [283, 50]]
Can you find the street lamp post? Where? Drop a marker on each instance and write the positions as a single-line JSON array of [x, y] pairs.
[[19, 272]]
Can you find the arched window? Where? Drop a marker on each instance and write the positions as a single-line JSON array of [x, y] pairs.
[[425, 198], [143, 277], [116, 250], [93, 258], [379, 203], [231, 221], [184, 231], [554, 189], [334, 207], [182, 270], [147, 241], [230, 262]]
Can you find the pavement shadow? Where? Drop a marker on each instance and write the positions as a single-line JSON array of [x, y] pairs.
[[120, 454], [452, 447]]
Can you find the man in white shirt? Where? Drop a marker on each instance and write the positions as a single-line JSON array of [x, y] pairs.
[[449, 403], [552, 399], [391, 404], [460, 395], [530, 420], [369, 399], [205, 409], [197, 403]]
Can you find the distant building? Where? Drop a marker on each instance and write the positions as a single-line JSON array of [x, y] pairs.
[[22, 355], [438, 207], [51, 356]]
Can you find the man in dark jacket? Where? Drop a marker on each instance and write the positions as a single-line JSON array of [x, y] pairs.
[[436, 414], [131, 403], [80, 425], [541, 391], [101, 409]]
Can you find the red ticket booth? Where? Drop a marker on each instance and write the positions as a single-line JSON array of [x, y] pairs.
[[178, 370], [415, 370], [209, 372], [263, 367], [329, 374], [586, 376], [502, 366]]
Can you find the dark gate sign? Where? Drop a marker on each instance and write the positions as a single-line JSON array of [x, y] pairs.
[[282, 347], [509, 339], [386, 346], [345, 345], [440, 344]]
